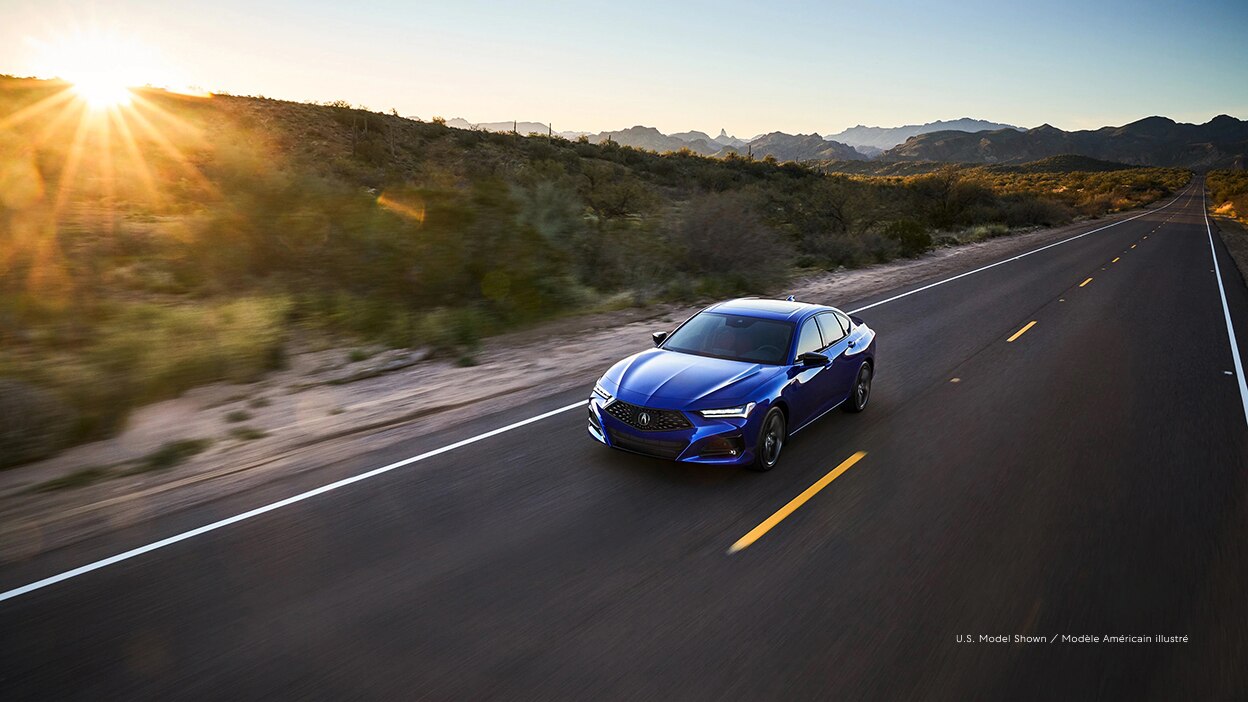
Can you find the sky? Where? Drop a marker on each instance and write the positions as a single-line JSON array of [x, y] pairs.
[[747, 67]]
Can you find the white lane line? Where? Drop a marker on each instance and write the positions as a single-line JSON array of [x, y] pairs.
[[82, 570], [127, 555], [1226, 310], [1015, 258]]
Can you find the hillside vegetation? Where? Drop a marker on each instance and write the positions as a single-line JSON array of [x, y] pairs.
[[184, 240], [1228, 193]]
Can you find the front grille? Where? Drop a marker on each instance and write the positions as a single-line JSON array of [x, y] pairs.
[[659, 420], [650, 447]]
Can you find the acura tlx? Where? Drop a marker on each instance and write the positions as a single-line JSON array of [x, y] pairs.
[[733, 382]]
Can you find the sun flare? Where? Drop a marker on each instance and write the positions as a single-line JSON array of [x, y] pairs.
[[102, 90], [101, 65]]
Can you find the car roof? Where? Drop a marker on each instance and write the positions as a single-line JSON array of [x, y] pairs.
[[768, 309]]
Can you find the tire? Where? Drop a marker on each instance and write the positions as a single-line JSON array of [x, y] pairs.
[[766, 454], [860, 394]]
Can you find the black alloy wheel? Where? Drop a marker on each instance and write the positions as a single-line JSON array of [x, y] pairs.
[[770, 440], [861, 393]]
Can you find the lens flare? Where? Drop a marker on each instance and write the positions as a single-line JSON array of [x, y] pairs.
[[100, 64], [101, 90]]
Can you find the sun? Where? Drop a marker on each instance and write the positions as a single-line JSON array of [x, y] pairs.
[[102, 90], [102, 65]]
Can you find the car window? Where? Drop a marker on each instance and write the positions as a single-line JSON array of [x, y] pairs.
[[735, 337], [845, 320], [809, 340], [831, 327]]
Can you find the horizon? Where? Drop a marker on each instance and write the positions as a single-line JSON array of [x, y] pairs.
[[710, 132], [589, 67]]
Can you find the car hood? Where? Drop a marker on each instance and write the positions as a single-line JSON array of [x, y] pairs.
[[670, 379]]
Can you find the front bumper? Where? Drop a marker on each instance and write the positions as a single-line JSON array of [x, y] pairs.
[[710, 441]]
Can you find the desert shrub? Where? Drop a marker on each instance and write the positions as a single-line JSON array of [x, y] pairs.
[[981, 232], [247, 433], [1034, 211], [170, 454], [453, 329], [36, 423], [720, 237], [912, 238]]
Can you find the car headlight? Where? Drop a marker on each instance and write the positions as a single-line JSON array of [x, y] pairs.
[[601, 392], [740, 412]]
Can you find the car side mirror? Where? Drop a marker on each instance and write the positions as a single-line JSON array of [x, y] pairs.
[[810, 358], [659, 337]]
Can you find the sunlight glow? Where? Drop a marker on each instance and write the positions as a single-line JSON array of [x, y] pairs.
[[101, 65], [101, 90]]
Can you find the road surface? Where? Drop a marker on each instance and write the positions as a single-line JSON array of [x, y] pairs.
[[1087, 478]]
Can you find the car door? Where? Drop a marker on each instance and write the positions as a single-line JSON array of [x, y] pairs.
[[844, 367], [811, 384]]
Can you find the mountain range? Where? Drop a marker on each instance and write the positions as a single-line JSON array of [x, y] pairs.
[[874, 140], [796, 147], [519, 127], [1153, 141]]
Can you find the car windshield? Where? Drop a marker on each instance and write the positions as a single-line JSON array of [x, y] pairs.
[[734, 337]]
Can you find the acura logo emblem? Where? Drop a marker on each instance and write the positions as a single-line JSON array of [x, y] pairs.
[[643, 419]]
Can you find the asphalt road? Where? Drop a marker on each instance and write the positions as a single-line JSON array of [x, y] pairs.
[[1089, 477]]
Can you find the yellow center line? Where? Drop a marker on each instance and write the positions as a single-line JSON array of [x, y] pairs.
[[1022, 331], [1089, 280], [1133, 246], [1115, 260], [768, 524]]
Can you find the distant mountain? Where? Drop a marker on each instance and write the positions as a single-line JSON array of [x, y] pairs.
[[652, 139], [725, 140], [1153, 141], [796, 147], [693, 136], [520, 127], [884, 138]]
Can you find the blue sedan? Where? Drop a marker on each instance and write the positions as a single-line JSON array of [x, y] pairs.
[[734, 382]]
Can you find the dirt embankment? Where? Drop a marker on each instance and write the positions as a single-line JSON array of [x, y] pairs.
[[327, 408]]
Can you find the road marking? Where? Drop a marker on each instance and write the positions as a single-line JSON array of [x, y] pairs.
[[1015, 258], [1226, 310], [1022, 331], [1133, 246], [1115, 260], [770, 522], [955, 380], [132, 553], [1089, 280], [82, 570]]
